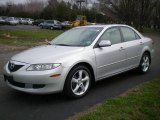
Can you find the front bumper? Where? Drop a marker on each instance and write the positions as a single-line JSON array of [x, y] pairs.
[[38, 82]]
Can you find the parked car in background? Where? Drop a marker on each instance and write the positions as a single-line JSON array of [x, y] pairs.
[[23, 21], [2, 21], [12, 21], [89, 23], [38, 21], [51, 24], [67, 24], [79, 57], [29, 21], [4, 17]]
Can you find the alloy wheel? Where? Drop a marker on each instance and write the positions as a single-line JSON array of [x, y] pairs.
[[145, 63], [80, 82]]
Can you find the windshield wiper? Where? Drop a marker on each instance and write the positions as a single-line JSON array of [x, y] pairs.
[[69, 45], [62, 44]]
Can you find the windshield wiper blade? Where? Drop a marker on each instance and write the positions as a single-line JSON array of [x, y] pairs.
[[62, 44]]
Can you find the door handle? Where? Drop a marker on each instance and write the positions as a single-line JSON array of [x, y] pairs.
[[141, 43], [122, 48]]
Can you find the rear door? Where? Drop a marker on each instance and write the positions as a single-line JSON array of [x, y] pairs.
[[50, 23], [134, 46], [110, 60]]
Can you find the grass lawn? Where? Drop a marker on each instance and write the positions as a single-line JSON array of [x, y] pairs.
[[141, 103], [148, 30], [26, 37]]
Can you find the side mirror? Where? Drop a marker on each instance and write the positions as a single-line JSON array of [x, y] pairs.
[[105, 43]]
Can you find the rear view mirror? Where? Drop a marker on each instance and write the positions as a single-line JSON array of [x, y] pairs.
[[105, 43]]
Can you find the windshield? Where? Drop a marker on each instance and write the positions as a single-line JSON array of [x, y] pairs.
[[83, 36]]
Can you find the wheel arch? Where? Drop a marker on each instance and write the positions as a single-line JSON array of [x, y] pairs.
[[146, 50], [89, 67], [149, 53], [86, 64]]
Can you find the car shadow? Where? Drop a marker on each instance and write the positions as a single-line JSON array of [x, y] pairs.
[[117, 78]]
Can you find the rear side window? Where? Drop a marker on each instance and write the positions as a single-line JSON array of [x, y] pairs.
[[112, 34], [129, 34], [50, 22]]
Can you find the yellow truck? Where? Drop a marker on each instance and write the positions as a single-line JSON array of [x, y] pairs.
[[80, 21]]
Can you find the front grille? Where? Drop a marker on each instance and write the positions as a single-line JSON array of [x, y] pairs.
[[36, 86], [13, 67], [22, 85]]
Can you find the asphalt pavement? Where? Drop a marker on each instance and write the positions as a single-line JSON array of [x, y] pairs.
[[18, 27], [16, 105]]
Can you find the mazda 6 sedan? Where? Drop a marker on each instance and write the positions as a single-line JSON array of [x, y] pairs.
[[77, 58]]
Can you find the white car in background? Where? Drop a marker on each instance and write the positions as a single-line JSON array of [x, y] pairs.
[[77, 58], [29, 21], [23, 21], [12, 21], [2, 21]]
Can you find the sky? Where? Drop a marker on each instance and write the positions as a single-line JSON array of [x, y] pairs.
[[23, 1], [14, 1]]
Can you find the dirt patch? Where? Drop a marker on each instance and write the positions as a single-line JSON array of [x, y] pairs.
[[7, 48], [9, 36]]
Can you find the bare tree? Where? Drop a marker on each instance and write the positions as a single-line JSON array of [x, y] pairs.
[[131, 12], [156, 15], [34, 6]]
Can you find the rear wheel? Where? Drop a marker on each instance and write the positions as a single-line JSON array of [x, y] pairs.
[[78, 82], [144, 63]]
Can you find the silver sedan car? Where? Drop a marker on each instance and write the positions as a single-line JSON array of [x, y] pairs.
[[77, 58]]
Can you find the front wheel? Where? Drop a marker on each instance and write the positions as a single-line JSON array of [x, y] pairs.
[[78, 82], [51, 28], [144, 63]]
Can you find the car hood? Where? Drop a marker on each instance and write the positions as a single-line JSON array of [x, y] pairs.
[[46, 54]]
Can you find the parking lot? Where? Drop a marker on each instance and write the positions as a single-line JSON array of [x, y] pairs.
[[28, 23], [18, 27]]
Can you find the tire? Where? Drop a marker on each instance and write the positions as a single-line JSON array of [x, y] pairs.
[[144, 63], [78, 82], [51, 28]]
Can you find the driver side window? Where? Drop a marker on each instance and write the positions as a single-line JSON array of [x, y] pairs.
[[112, 34]]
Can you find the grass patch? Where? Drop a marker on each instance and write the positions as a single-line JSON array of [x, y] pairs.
[[26, 37], [141, 103], [149, 30]]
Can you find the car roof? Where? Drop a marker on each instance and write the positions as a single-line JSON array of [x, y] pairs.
[[114, 25], [106, 26]]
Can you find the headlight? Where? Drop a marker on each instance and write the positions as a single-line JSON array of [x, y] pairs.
[[42, 67]]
